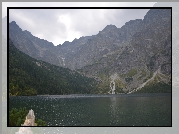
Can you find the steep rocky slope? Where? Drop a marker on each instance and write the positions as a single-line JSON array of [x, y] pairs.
[[78, 53], [28, 76], [31, 45], [134, 52], [135, 62]]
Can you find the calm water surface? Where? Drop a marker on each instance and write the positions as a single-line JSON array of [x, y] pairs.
[[99, 110]]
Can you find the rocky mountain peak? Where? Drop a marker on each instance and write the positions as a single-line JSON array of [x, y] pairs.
[[109, 27], [133, 22], [135, 51], [27, 32], [13, 23], [66, 43], [157, 16]]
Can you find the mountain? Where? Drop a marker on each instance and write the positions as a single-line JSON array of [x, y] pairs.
[[148, 51], [175, 41], [75, 54], [31, 45], [28, 76], [84, 51], [137, 55]]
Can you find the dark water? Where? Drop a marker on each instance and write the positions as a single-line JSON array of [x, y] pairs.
[[99, 110]]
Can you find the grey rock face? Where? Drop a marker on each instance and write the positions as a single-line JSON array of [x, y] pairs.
[[135, 51], [31, 45], [78, 53], [148, 49]]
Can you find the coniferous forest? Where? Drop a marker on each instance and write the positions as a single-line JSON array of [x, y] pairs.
[[17, 117], [28, 76], [93, 80], [37, 67]]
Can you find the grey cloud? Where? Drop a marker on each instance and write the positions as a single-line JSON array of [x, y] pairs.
[[120, 17], [84, 22], [44, 22], [91, 22]]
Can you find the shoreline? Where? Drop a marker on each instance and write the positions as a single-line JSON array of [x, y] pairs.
[[101, 95]]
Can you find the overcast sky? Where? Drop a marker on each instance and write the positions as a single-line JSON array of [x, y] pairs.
[[59, 25]]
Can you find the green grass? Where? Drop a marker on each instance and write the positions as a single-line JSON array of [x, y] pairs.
[[130, 73], [156, 88], [143, 74]]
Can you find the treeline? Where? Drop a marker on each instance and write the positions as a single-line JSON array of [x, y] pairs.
[[28, 76]]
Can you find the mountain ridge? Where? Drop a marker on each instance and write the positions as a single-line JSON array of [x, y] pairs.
[[28, 76], [134, 51]]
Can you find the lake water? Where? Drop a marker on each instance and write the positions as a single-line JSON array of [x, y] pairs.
[[99, 110]]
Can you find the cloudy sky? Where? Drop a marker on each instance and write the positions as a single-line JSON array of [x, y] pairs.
[[59, 25]]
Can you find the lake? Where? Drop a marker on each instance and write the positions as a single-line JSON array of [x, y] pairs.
[[99, 110]]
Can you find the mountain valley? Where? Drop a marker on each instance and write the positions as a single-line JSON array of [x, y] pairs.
[[133, 53]]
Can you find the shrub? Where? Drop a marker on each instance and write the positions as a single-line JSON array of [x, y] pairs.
[[18, 116]]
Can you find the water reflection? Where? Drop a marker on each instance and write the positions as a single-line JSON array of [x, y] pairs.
[[113, 111]]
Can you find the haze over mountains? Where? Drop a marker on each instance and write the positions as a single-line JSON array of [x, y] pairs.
[[135, 52]]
